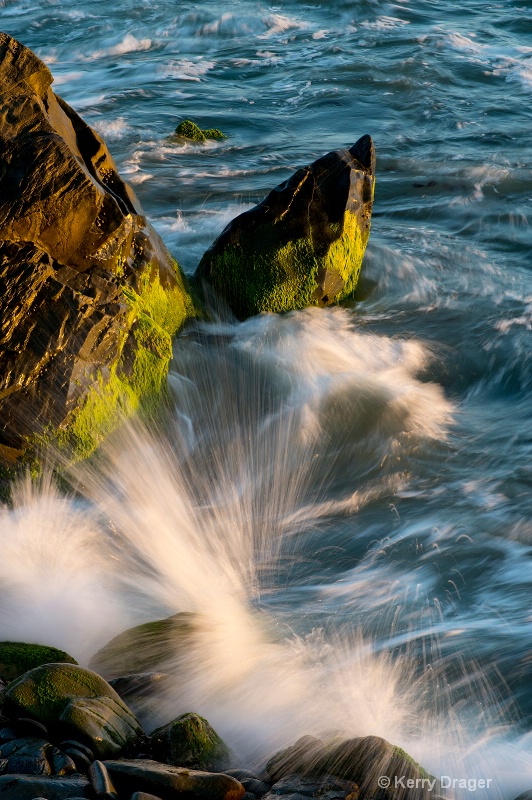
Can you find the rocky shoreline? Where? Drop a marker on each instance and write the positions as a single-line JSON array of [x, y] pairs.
[[66, 733]]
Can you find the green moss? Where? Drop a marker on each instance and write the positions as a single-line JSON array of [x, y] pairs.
[[16, 658], [44, 692], [189, 130], [403, 762], [190, 741], [214, 133], [137, 379]]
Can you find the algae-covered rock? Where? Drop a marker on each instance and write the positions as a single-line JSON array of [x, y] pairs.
[[361, 760], [189, 130], [19, 657], [76, 702], [189, 741], [89, 296], [303, 244], [145, 647], [167, 782]]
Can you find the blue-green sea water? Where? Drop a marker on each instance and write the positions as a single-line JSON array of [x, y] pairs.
[[364, 472]]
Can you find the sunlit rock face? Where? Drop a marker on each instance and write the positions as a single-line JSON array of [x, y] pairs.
[[89, 296], [303, 244]]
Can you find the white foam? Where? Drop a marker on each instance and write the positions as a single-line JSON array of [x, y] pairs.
[[187, 70], [129, 44], [113, 130]]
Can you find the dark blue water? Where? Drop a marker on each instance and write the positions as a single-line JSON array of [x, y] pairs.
[[394, 435]]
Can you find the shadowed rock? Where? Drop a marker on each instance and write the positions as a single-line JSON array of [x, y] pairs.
[[89, 296], [303, 244]]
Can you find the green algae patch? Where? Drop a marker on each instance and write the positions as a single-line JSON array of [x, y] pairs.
[[44, 692], [137, 379], [16, 658], [303, 245], [189, 130]]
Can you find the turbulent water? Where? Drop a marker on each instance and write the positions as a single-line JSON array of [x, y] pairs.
[[343, 494]]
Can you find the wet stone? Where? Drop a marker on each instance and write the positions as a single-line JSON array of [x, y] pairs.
[[167, 781], [27, 756], [30, 727], [28, 787], [101, 782]]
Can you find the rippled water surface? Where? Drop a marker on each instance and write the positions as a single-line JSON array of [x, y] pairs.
[[362, 474]]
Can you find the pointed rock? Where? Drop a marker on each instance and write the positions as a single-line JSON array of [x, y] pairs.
[[303, 244]]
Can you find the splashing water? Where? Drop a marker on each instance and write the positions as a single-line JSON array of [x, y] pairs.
[[277, 428]]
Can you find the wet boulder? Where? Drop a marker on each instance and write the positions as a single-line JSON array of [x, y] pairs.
[[19, 657], [168, 782], [303, 244], [74, 701], [89, 296], [190, 741], [360, 760], [146, 647]]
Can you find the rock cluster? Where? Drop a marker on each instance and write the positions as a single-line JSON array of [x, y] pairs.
[[89, 295]]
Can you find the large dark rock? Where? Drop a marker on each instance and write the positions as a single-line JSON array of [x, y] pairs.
[[362, 760], [150, 646], [18, 657], [74, 701], [89, 296], [303, 244], [168, 782], [190, 741]]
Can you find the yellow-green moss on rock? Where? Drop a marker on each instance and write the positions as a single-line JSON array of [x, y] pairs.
[[74, 701], [189, 130], [155, 313], [303, 244], [16, 658], [190, 741]]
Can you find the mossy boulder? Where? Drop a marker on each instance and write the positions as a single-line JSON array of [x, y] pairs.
[[303, 244], [190, 741], [75, 702], [89, 296], [361, 760], [144, 648], [189, 130], [19, 657]]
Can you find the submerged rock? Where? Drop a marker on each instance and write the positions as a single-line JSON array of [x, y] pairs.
[[19, 657], [145, 647], [89, 296], [189, 741], [303, 244], [166, 781], [73, 700]]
